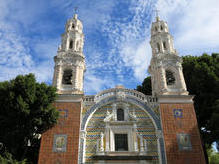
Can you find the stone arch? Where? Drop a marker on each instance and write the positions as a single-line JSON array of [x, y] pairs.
[[154, 118], [161, 27], [170, 77], [107, 100], [67, 77], [71, 43], [164, 45], [174, 71]]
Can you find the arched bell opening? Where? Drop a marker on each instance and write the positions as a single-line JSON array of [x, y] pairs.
[[71, 44], [170, 77], [67, 77]]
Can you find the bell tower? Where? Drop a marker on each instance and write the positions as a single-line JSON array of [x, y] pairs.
[[60, 143], [70, 61], [166, 66], [179, 125]]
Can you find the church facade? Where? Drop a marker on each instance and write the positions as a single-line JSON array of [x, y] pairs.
[[121, 125]]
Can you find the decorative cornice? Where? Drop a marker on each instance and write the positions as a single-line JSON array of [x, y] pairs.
[[70, 98], [182, 99]]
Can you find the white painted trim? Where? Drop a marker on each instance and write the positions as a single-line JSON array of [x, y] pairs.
[[80, 134], [182, 99], [69, 98], [121, 129], [159, 151]]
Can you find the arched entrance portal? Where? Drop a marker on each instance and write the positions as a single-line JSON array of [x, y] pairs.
[[121, 126]]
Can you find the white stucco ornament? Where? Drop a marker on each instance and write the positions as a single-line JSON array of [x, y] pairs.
[[120, 95], [70, 61], [165, 59]]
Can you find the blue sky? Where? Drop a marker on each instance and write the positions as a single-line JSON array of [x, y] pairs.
[[117, 35]]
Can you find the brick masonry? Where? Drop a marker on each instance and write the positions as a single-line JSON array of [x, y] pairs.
[[68, 124], [186, 124]]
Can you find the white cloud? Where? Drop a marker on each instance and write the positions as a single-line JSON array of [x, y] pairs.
[[95, 84], [125, 55], [16, 58], [16, 49], [46, 48], [194, 24], [130, 39]]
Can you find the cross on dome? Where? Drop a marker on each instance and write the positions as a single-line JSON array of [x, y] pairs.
[[157, 14], [75, 12]]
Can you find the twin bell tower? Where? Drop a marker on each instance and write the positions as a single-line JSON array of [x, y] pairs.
[[121, 125]]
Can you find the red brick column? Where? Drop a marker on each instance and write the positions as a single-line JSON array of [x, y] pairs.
[[69, 125], [187, 124]]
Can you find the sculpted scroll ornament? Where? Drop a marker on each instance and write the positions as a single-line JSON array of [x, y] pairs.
[[159, 134], [120, 95], [82, 134]]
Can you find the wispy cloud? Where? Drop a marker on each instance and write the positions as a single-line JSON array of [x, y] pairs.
[[20, 52], [194, 24], [129, 39], [117, 35], [14, 53]]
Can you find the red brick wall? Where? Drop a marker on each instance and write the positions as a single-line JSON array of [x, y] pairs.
[[187, 124], [70, 126]]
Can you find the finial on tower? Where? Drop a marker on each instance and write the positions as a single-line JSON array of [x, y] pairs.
[[157, 14], [76, 12]]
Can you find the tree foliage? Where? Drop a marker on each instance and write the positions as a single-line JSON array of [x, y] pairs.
[[212, 156], [202, 79], [25, 111], [145, 87], [7, 159]]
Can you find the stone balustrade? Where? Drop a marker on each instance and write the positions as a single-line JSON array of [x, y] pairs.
[[121, 92]]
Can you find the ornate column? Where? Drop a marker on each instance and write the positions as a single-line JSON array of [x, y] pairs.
[[82, 146], [182, 83], [58, 72], [114, 112], [107, 137], [126, 110], [161, 46], [101, 142], [135, 138], [141, 144], [163, 84]]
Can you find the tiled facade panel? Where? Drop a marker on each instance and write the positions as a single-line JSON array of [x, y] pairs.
[[68, 126], [184, 123], [96, 125]]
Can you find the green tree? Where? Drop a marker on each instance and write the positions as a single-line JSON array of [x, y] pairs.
[[145, 87], [7, 159], [202, 79], [26, 110], [212, 156]]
